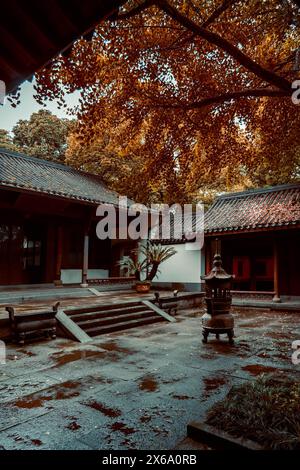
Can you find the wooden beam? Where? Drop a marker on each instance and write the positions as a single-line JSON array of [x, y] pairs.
[[244, 231]]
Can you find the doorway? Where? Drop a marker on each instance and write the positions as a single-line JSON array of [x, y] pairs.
[[34, 252]]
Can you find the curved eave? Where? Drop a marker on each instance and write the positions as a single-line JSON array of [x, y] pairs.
[[54, 194], [249, 228], [32, 33]]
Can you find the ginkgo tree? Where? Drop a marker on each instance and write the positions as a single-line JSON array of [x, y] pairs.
[[194, 96]]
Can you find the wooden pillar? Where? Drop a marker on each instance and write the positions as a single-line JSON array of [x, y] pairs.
[[59, 253], [85, 263], [86, 239], [276, 297], [208, 258]]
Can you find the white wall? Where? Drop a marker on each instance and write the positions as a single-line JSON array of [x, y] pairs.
[[184, 266], [73, 276]]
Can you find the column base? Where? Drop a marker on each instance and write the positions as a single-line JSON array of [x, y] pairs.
[[84, 284], [276, 299]]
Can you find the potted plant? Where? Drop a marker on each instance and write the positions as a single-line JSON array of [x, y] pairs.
[[144, 263]]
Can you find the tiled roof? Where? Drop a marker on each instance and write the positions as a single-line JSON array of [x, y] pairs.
[[278, 206], [34, 174], [182, 228]]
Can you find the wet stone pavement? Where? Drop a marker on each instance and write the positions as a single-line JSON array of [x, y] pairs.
[[137, 389]]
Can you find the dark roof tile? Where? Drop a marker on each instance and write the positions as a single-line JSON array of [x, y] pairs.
[[255, 209], [278, 206], [41, 176]]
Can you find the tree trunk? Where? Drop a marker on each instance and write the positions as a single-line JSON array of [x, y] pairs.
[[153, 271]]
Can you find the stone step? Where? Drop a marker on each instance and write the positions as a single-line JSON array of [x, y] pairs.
[[95, 331], [123, 310], [114, 319], [100, 308]]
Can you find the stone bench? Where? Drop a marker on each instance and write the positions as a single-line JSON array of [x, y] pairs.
[[169, 304], [29, 323]]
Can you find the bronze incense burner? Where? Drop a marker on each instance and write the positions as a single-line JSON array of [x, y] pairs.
[[218, 319]]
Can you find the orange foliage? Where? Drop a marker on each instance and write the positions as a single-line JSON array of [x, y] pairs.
[[185, 97]]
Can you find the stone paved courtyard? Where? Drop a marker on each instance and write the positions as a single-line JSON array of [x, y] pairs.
[[137, 389]]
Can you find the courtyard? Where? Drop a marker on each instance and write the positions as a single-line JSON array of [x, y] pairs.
[[136, 389], [149, 229]]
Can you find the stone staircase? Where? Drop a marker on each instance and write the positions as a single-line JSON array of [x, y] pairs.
[[101, 319]]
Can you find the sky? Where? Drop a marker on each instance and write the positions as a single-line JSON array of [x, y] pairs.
[[9, 116]]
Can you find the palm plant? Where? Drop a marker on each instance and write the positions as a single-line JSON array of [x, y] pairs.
[[133, 265], [154, 254]]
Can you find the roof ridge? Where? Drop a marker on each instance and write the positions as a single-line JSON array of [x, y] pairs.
[[250, 192], [12, 153]]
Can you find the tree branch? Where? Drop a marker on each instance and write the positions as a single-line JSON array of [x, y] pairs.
[[134, 11], [226, 46], [216, 13], [251, 93], [213, 38]]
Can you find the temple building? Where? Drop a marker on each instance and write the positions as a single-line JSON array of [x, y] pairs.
[[48, 233], [48, 224], [258, 234]]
